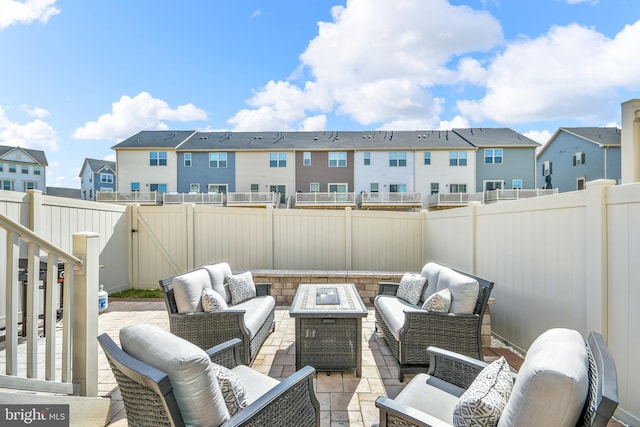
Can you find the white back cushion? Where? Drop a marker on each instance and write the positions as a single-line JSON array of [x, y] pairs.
[[430, 271], [552, 383], [464, 291], [190, 371], [187, 290], [217, 274]]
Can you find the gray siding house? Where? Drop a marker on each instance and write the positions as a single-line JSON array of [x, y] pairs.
[[576, 155], [505, 159], [22, 169]]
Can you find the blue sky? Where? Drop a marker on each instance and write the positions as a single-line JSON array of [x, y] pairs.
[[78, 76]]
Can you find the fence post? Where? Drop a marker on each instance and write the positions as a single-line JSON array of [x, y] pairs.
[[35, 210], [269, 237], [86, 246], [348, 237], [473, 238], [596, 255]]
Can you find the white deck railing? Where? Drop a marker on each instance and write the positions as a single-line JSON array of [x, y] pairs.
[[453, 199], [132, 197], [197, 198], [70, 349], [325, 199], [493, 196], [390, 199], [251, 198]]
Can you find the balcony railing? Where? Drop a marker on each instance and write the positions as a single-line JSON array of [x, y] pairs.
[[389, 200], [333, 199], [254, 199], [197, 198], [441, 200], [150, 197], [493, 196]]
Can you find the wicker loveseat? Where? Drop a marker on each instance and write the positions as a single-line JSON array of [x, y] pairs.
[[409, 329], [562, 382], [251, 320], [167, 381]]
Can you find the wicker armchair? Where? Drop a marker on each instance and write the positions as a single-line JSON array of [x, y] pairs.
[[149, 399], [451, 374], [461, 333], [206, 329]]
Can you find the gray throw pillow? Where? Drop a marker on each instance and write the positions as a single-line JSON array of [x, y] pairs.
[[241, 287], [213, 301], [233, 391], [483, 402], [410, 288], [438, 302]]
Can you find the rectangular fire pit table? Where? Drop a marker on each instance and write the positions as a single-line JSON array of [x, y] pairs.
[[328, 326]]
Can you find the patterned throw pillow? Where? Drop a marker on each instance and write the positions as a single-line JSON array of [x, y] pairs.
[[438, 302], [241, 287], [233, 391], [410, 288], [213, 301], [483, 402]]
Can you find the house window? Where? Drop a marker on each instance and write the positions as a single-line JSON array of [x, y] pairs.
[[106, 178], [2, 167], [306, 158], [367, 158], [397, 188], [217, 188], [398, 159], [427, 157], [158, 158], [374, 187], [194, 187], [338, 188], [187, 160], [457, 158], [36, 170], [135, 187], [255, 188], [30, 185], [218, 160], [106, 190], [338, 159], [160, 188], [314, 187], [12, 167], [278, 160], [578, 158], [25, 169], [435, 187], [493, 155], [547, 168], [492, 185], [580, 183], [7, 185], [457, 188], [516, 184]]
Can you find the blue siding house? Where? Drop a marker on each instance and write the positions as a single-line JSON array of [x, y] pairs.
[[97, 175], [576, 155]]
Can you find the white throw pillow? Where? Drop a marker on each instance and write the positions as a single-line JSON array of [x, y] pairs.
[[483, 402], [241, 287], [438, 302], [213, 301], [233, 391], [410, 288]]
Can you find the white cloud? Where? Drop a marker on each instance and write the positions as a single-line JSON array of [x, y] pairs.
[[457, 122], [583, 1], [110, 158], [256, 13], [25, 12], [130, 115], [318, 122], [540, 136], [35, 111], [375, 61], [570, 72], [35, 134]]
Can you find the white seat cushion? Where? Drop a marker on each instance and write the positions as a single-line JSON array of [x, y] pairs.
[[464, 291], [552, 384], [255, 383], [190, 371], [432, 396], [187, 290], [258, 309], [391, 309]]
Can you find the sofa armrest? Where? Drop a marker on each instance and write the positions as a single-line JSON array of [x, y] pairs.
[[388, 288], [226, 354], [263, 289], [410, 416], [453, 367], [292, 399]]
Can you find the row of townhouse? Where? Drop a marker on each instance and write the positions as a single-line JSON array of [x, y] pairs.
[[427, 162], [22, 169]]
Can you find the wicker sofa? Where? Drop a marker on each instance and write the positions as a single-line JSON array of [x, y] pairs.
[[251, 320], [165, 380], [564, 381], [408, 329]]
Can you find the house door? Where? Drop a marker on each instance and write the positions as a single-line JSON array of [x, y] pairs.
[[281, 189]]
